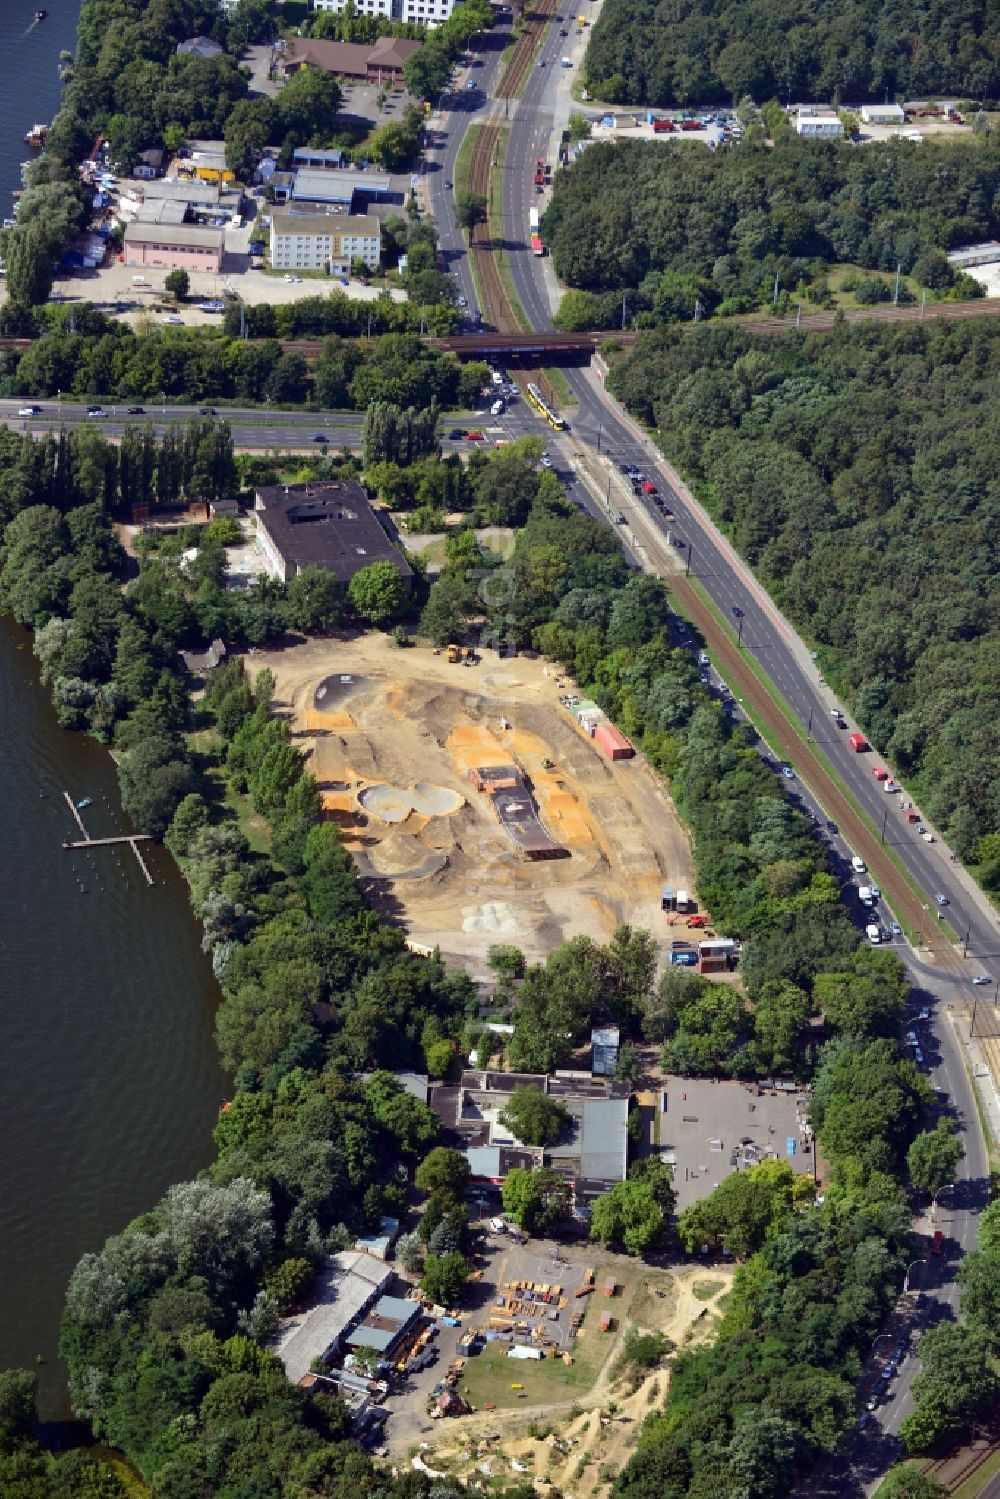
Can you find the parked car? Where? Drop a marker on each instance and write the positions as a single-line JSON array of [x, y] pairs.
[[788, 773], [474, 437], [456, 434], [982, 978]]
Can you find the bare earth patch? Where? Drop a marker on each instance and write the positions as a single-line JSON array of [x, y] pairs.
[[392, 736]]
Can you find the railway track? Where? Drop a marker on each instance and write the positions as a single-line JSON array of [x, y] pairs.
[[524, 51], [953, 1472]]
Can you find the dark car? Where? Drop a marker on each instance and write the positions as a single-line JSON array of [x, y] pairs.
[[456, 434], [207, 411], [135, 411], [321, 437]]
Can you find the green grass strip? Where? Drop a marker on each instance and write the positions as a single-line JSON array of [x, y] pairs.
[[560, 385], [463, 161], [798, 730]]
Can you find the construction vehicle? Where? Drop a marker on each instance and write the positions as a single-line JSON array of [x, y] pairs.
[[454, 654]]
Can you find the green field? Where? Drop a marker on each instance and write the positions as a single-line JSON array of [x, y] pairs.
[[489, 1375]]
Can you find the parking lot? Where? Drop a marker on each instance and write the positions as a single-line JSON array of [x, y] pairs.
[[710, 1129]]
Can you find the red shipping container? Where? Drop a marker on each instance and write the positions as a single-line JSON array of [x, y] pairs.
[[612, 741]]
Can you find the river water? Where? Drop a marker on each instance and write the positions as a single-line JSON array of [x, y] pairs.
[[109, 1084]]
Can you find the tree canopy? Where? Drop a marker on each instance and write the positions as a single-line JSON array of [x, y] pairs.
[[671, 226], [718, 51]]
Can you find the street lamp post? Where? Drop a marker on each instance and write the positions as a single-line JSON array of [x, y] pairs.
[[687, 568], [934, 1199], [738, 616], [885, 818], [909, 1269]]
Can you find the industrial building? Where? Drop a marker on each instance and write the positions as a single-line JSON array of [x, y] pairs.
[[323, 241], [186, 247], [882, 114], [346, 1290], [332, 526], [818, 122], [385, 1326], [988, 253], [593, 1156]]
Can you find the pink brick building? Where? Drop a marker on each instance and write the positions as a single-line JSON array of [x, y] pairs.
[[183, 247]]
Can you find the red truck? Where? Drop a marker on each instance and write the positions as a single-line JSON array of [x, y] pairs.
[[937, 1241], [858, 742], [662, 127]]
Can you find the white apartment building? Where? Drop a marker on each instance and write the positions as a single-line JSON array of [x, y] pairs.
[[419, 12], [321, 241], [228, 7]]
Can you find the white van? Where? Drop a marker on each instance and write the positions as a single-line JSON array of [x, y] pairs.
[[497, 408], [858, 865], [873, 934]]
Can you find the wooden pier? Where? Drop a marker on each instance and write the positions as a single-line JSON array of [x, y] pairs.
[[132, 839]]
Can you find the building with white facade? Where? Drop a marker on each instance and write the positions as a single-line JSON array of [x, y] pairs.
[[317, 241], [882, 114], [818, 122], [422, 12]]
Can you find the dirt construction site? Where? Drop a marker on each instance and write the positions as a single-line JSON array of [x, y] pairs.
[[577, 1437], [397, 738]]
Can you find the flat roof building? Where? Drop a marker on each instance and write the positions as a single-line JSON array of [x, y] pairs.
[[188, 247], [422, 12], [593, 1155], [882, 114], [324, 241], [332, 526], [338, 185], [818, 122], [389, 1320], [348, 1287]]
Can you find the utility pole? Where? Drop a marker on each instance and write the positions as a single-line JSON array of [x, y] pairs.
[[923, 305], [600, 429], [690, 552], [895, 295], [965, 944], [777, 285], [885, 819], [738, 616], [809, 725], [624, 313]]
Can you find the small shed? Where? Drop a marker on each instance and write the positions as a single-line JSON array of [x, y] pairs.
[[610, 1286]]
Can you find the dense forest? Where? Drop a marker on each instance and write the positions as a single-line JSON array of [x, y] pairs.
[[856, 474], [644, 52], [670, 225], [184, 365]]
